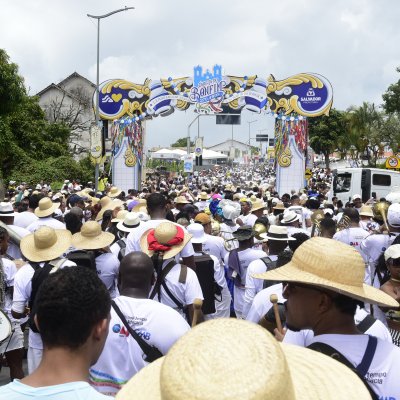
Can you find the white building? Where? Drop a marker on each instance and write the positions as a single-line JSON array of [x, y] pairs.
[[70, 102], [235, 150]]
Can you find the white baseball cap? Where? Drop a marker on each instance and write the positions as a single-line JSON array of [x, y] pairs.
[[392, 251]]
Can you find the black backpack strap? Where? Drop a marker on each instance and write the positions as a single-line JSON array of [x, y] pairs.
[[366, 323], [361, 370], [171, 296], [152, 353], [160, 278]]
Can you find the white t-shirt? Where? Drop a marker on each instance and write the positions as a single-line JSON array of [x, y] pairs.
[[9, 271], [372, 247], [185, 293], [66, 391], [353, 237], [245, 258], [46, 221], [214, 245], [107, 266], [262, 303], [24, 219], [369, 225], [384, 370], [254, 285], [14, 250], [22, 294], [201, 205], [122, 357], [133, 239], [292, 230]]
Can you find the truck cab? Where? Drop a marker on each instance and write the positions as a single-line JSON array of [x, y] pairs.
[[368, 182]]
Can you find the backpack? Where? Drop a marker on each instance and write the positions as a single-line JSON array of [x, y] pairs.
[[83, 258], [210, 288], [269, 265], [39, 276], [122, 248]]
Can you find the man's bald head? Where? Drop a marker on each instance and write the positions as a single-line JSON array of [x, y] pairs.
[[136, 271]]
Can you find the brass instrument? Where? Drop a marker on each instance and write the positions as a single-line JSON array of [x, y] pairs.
[[215, 228], [316, 217], [231, 243], [259, 229], [344, 223], [380, 211]]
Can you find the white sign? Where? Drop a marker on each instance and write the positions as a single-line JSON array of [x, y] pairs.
[[96, 145], [198, 147], [188, 164]]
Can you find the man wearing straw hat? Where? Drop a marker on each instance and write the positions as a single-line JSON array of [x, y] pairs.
[[43, 247], [277, 239], [130, 222], [238, 261], [158, 324], [73, 311], [198, 365], [177, 285], [157, 209], [323, 284], [203, 203], [44, 212], [91, 237]]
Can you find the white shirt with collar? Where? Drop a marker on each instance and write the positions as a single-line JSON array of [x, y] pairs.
[[45, 221]]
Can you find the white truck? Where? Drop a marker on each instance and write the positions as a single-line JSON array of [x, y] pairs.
[[367, 182]]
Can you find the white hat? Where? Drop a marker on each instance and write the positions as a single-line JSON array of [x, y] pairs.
[[197, 232], [6, 209], [230, 209], [392, 251], [12, 182], [129, 223], [276, 232], [356, 196], [290, 216], [393, 216], [38, 186], [328, 211]]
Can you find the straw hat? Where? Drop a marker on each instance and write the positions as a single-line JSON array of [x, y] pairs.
[[164, 232], [108, 204], [262, 369], [114, 192], [46, 207], [332, 265], [45, 244], [6, 209], [120, 216], [91, 237], [276, 232], [279, 206], [258, 204], [181, 200], [366, 211], [129, 223], [289, 216], [204, 196], [141, 207]]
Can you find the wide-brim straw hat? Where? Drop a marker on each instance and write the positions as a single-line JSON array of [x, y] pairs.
[[263, 369], [333, 265], [129, 223], [114, 192], [204, 196], [181, 200], [276, 232], [108, 205], [165, 231], [279, 206], [91, 237], [141, 206], [120, 216], [45, 244], [366, 211], [290, 216], [46, 207], [258, 204]]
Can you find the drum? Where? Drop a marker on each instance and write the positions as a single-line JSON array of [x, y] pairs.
[[5, 327]]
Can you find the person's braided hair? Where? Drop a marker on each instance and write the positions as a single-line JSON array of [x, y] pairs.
[[69, 303]]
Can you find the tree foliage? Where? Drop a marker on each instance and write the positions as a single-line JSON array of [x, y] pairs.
[[30, 145], [182, 142], [391, 98]]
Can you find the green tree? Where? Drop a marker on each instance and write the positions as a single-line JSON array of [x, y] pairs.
[[391, 98], [12, 89], [325, 133], [182, 142]]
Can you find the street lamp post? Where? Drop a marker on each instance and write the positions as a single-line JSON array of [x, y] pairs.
[[250, 122], [97, 114]]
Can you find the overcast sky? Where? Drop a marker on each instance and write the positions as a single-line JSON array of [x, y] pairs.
[[353, 43]]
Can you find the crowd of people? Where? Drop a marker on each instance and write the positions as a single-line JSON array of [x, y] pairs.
[[212, 286]]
